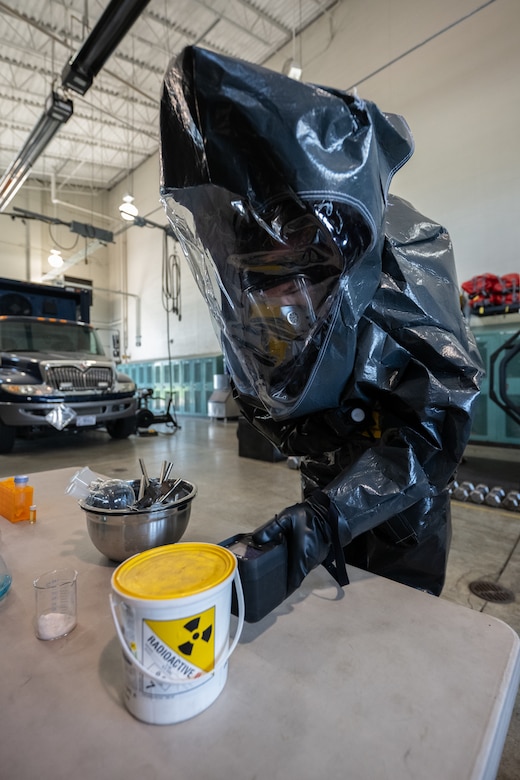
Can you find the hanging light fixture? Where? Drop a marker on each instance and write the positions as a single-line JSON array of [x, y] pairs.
[[127, 209], [294, 70], [293, 66], [55, 259]]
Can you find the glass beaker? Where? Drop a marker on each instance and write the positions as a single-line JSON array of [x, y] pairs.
[[55, 603]]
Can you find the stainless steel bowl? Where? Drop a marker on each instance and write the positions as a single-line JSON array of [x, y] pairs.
[[119, 534]]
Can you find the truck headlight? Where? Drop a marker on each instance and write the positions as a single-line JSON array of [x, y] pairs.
[[125, 386], [32, 390]]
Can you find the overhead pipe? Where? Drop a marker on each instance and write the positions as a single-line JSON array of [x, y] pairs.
[[73, 207], [137, 299]]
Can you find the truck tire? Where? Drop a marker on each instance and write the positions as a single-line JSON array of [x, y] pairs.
[[123, 428], [7, 437]]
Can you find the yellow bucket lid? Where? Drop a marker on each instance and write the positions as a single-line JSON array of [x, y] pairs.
[[174, 571]]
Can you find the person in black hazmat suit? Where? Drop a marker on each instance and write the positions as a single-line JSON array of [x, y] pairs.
[[337, 308]]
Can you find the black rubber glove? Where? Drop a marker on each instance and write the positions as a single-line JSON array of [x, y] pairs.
[[314, 535]]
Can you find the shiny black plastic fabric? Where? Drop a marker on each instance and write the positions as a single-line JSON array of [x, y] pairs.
[[251, 161], [382, 413]]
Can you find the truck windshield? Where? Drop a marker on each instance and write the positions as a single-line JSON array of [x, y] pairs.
[[44, 335]]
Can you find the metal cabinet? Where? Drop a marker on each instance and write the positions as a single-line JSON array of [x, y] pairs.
[[494, 421]]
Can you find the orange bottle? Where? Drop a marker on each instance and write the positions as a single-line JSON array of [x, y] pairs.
[[23, 498], [16, 498]]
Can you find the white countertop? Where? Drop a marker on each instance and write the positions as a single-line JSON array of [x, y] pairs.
[[378, 681]]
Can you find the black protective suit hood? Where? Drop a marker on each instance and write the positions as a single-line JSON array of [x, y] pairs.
[[277, 191]]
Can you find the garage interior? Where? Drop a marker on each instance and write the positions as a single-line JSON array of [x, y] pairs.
[[80, 133]]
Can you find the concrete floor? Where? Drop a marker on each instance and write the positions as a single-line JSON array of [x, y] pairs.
[[246, 492]]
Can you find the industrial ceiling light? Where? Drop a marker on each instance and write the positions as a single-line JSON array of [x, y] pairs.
[[55, 259], [58, 110], [127, 209]]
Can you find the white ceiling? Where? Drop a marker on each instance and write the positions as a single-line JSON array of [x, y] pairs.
[[114, 127]]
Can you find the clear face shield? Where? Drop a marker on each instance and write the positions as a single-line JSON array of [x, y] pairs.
[[271, 284]]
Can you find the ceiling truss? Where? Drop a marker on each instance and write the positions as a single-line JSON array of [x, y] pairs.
[[115, 125]]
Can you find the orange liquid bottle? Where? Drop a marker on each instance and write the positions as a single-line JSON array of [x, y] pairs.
[[23, 495]]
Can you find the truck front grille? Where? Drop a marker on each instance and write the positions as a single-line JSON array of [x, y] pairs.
[[73, 378]]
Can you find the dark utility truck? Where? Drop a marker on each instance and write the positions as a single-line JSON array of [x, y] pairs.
[[54, 373]]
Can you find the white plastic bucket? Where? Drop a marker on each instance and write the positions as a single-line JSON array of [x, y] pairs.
[[171, 607]]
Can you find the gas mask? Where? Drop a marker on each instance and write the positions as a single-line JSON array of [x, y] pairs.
[[280, 315]]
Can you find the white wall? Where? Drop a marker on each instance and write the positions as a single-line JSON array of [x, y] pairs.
[[137, 263], [459, 93], [21, 241]]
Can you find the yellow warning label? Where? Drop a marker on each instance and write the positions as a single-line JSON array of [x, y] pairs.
[[191, 638]]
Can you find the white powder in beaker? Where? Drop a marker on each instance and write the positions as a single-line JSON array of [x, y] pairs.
[[55, 624]]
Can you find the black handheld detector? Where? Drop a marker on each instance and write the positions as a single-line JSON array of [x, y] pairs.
[[263, 574]]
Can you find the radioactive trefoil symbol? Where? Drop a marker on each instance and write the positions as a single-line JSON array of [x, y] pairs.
[[192, 637], [197, 635]]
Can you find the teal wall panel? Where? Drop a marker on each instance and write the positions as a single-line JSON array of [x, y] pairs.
[[491, 424], [190, 380]]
